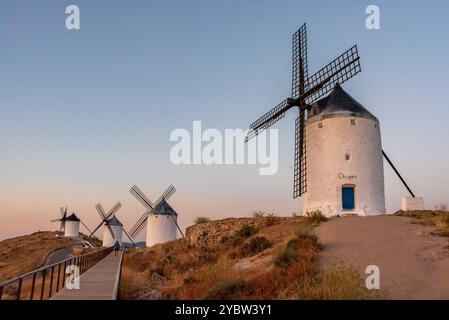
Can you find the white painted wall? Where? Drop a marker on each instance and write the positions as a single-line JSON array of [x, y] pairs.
[[328, 170], [160, 229], [72, 229], [108, 240], [411, 204]]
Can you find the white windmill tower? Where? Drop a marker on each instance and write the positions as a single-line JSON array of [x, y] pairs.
[[109, 238], [72, 226], [338, 165], [160, 218], [112, 227], [345, 172]]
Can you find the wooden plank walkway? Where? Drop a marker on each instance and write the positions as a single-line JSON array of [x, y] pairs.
[[98, 283]]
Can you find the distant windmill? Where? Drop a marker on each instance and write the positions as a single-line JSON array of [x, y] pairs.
[[113, 228], [333, 135], [69, 225], [160, 218], [72, 226], [62, 219]]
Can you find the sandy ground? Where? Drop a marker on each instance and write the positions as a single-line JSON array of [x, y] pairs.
[[413, 264]]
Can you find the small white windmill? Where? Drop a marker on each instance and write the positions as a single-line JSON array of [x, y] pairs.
[[69, 225], [72, 226], [112, 227], [160, 218]]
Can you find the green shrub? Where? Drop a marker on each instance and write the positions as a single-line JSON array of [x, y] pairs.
[[254, 246], [231, 241], [200, 220], [286, 257], [246, 231], [227, 289], [291, 252]]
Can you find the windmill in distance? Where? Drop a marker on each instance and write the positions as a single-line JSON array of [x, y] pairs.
[[69, 224], [113, 228], [160, 218]]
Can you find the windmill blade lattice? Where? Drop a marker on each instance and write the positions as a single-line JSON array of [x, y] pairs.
[[338, 71], [306, 90], [136, 192], [105, 217]]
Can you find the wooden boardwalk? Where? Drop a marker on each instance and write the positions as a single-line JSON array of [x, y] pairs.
[[98, 283]]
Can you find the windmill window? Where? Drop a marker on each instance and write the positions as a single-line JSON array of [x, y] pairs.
[[353, 122], [320, 125], [347, 156]]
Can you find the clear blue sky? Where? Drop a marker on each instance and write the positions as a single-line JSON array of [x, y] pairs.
[[85, 114]]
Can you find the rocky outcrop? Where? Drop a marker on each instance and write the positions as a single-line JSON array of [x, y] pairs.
[[211, 233]]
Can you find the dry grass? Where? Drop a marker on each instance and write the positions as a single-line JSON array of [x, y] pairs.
[[25, 253], [437, 218], [279, 261], [315, 217], [22, 254]]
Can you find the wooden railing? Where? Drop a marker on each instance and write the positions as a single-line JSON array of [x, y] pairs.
[[42, 283]]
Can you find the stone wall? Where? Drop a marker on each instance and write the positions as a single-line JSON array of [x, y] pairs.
[[210, 233]]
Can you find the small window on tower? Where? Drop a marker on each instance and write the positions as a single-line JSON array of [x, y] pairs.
[[353, 122], [320, 125], [347, 156]]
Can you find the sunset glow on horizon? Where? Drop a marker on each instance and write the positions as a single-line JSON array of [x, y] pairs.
[[87, 114]]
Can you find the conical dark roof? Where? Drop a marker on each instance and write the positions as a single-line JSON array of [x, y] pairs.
[[163, 208], [114, 222], [72, 217], [339, 102]]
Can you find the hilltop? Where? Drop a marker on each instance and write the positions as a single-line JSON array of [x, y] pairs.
[[412, 254], [296, 258], [246, 258]]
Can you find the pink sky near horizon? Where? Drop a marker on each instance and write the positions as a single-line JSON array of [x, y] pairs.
[[86, 114]]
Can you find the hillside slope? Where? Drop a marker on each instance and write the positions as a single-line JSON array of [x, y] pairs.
[[25, 253], [247, 258]]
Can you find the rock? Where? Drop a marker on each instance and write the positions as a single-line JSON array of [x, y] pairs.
[[210, 233], [153, 294], [156, 278]]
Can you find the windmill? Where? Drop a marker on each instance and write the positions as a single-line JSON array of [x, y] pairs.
[[62, 219], [113, 228], [308, 96], [72, 226], [306, 90], [69, 224], [160, 218]]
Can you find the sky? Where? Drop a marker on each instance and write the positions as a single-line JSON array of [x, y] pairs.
[[85, 114]]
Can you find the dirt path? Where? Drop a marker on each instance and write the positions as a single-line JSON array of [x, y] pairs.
[[58, 255], [413, 264]]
